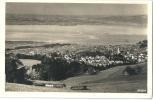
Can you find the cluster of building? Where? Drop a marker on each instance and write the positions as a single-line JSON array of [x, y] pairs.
[[129, 57], [97, 61]]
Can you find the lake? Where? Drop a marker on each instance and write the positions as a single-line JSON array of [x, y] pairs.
[[30, 62], [86, 34]]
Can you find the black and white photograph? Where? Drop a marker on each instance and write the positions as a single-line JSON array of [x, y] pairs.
[[76, 47]]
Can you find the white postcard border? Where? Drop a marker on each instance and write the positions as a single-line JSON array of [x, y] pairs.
[[70, 94]]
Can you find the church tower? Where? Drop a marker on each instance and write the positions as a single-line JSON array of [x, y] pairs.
[[118, 50]]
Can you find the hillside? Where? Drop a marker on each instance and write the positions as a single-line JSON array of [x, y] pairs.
[[110, 80]]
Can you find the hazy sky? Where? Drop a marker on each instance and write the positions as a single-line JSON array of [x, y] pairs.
[[76, 9]]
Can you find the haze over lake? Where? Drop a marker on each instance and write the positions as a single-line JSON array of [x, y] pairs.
[[76, 23], [92, 34]]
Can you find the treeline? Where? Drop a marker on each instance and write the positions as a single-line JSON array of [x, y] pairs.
[[59, 69]]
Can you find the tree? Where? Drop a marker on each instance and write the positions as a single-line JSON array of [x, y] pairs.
[[142, 44], [14, 69]]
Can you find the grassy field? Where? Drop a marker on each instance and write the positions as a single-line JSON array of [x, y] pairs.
[[111, 81]]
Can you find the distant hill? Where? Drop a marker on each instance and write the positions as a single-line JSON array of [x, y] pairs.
[[30, 44], [14, 19]]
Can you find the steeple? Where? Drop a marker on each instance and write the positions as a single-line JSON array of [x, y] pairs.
[[118, 50]]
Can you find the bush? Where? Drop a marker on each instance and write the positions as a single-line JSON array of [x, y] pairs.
[[142, 44], [132, 71]]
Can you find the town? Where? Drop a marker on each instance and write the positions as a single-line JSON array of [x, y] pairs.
[[72, 60]]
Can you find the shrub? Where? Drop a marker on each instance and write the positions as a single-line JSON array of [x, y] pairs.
[[132, 71]]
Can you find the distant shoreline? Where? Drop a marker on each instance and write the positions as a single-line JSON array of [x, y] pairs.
[[71, 20]]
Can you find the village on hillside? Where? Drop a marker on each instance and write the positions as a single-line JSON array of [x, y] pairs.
[[71, 61]]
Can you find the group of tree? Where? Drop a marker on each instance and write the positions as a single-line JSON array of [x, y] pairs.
[[14, 69]]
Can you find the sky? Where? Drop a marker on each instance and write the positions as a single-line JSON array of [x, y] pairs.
[[76, 9]]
